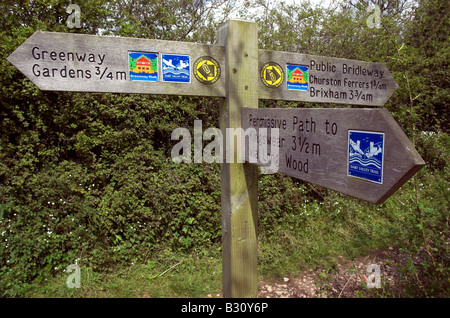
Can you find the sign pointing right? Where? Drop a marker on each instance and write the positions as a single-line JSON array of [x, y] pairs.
[[359, 152], [322, 79]]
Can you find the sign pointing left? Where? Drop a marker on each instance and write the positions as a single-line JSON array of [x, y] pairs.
[[90, 63]]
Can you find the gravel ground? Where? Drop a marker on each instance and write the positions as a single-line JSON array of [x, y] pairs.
[[349, 280]]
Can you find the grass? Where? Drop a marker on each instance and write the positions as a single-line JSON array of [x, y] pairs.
[[169, 275], [415, 219]]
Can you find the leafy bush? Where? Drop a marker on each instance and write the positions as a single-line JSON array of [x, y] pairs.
[[88, 177]]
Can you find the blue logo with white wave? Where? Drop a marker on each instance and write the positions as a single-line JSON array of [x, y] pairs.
[[176, 68], [365, 155]]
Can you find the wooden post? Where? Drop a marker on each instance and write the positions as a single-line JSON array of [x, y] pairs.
[[102, 64], [239, 180]]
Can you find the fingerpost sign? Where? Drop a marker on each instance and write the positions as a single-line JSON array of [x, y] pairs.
[[359, 152]]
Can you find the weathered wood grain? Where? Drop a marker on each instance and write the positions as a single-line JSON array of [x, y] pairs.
[[239, 181], [114, 51], [346, 88], [105, 69], [329, 81], [325, 151]]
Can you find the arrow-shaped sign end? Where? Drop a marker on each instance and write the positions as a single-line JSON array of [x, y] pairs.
[[401, 182], [20, 58], [412, 162]]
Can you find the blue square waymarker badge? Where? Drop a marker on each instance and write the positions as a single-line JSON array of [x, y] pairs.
[[366, 155], [176, 68]]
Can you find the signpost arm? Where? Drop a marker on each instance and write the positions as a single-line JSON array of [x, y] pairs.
[[239, 181]]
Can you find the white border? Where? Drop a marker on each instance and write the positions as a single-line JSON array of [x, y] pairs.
[[162, 70], [382, 159]]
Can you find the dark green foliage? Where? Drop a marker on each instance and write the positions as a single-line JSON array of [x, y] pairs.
[[88, 177]]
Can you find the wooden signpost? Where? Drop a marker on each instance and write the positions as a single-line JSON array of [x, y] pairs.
[[321, 79], [90, 63], [359, 152], [239, 181]]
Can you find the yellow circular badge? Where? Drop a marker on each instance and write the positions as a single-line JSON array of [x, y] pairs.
[[272, 75], [206, 70]]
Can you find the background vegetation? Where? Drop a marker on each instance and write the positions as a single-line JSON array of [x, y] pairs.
[[87, 178]]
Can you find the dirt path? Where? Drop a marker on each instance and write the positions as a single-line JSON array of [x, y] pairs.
[[348, 280]]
